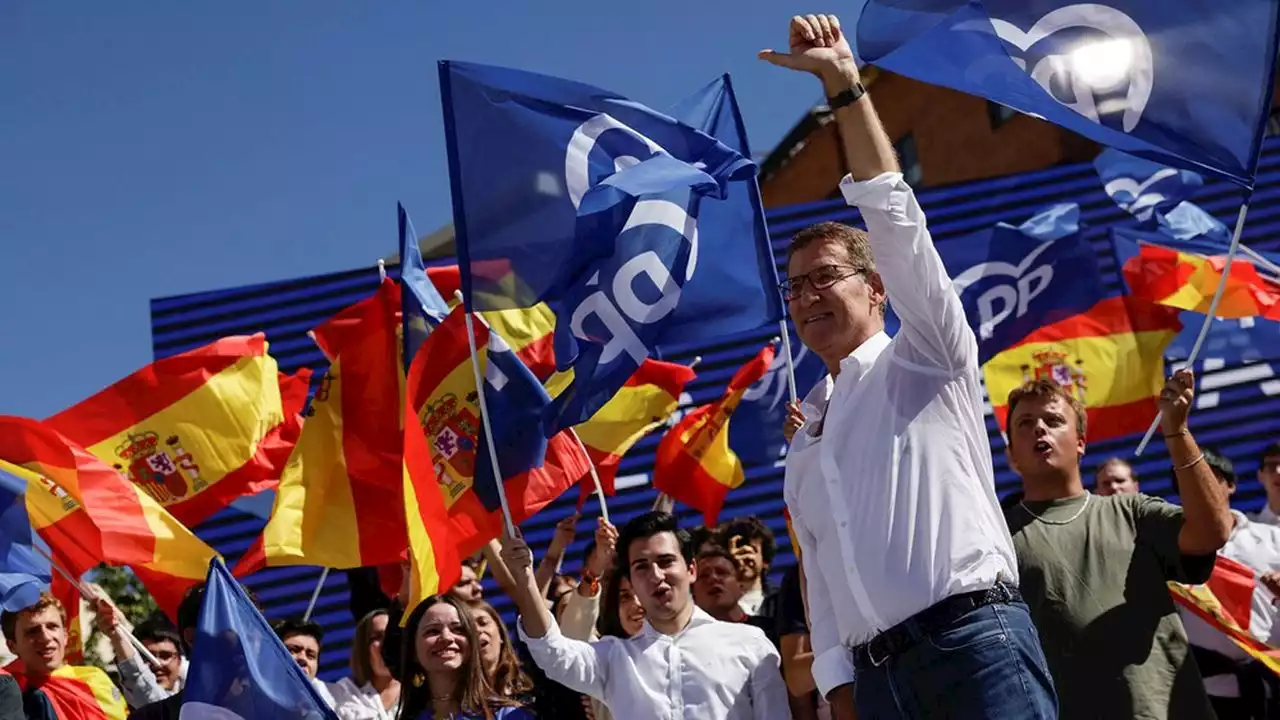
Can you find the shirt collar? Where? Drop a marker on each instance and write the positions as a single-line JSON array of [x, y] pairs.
[[1241, 524], [861, 360], [699, 617]]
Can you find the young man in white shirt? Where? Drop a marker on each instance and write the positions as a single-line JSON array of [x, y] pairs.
[[683, 664], [912, 578]]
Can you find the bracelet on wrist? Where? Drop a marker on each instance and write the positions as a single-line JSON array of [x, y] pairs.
[[1180, 433], [1192, 463]]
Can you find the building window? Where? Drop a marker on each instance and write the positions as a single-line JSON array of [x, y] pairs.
[[909, 159], [999, 114]]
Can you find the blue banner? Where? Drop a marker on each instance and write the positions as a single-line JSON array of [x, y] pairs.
[[756, 431], [1187, 82], [24, 573], [239, 665], [638, 229]]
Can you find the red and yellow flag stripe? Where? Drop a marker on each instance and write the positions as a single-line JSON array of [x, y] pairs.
[[194, 431], [1224, 602], [1111, 357], [1188, 281], [694, 463], [88, 513], [81, 692]]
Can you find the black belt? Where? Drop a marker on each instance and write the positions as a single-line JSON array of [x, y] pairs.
[[907, 633]]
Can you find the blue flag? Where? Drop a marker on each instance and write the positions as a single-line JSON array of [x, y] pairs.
[[602, 208], [239, 665], [1143, 188], [421, 306], [1012, 280], [756, 431], [24, 573], [1187, 82]]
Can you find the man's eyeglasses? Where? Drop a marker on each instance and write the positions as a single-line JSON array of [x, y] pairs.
[[818, 278]]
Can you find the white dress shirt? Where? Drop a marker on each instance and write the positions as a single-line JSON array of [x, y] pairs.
[[354, 702], [710, 670], [1256, 545], [1267, 516], [897, 510]]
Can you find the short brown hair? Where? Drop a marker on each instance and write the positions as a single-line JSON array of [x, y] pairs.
[[855, 241], [1045, 389], [9, 620]]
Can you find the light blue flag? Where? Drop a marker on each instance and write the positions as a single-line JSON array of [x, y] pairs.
[[238, 665], [421, 306], [24, 573]]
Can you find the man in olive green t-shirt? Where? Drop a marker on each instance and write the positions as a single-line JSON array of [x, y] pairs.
[[1094, 569]]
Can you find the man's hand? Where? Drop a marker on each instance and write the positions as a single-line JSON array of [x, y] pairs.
[[566, 529], [1271, 581], [1175, 402], [745, 556], [820, 48], [794, 421], [843, 706], [108, 617], [517, 557], [606, 546]]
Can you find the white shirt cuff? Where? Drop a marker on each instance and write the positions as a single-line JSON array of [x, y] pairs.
[[873, 194], [553, 633], [832, 669]]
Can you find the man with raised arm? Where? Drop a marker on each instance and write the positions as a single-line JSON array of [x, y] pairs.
[[682, 664], [912, 579]]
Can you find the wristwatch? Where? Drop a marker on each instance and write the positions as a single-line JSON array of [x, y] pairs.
[[846, 97]]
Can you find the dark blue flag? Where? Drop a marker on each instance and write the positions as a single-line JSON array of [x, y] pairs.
[[637, 229], [1186, 82], [1012, 280], [239, 665], [24, 573], [421, 306], [756, 431], [1143, 188]]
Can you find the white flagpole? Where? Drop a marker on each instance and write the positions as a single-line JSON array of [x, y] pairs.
[[488, 430], [595, 476], [382, 270], [92, 594], [1209, 315], [791, 365], [315, 595]]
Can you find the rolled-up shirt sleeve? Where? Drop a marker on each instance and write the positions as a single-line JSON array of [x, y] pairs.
[[580, 615], [577, 665], [138, 682], [919, 289]]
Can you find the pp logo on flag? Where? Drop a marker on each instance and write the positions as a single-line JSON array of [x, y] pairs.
[[1087, 69], [1013, 298], [644, 288]]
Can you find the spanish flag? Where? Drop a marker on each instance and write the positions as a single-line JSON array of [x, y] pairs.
[[1187, 280], [69, 595], [444, 400], [195, 431], [529, 331], [1225, 603], [88, 513], [694, 463], [332, 506], [1110, 357], [82, 692], [645, 403]]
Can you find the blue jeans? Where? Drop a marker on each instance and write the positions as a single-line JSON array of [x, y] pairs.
[[987, 664]]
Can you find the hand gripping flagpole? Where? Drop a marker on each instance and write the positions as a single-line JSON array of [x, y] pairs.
[[1210, 314], [92, 593], [595, 476], [665, 502]]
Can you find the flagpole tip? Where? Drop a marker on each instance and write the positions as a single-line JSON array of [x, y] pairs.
[[697, 360]]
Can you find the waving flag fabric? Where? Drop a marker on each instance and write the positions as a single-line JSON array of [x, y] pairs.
[[24, 573], [239, 668], [1183, 275], [79, 692], [87, 513], [1013, 280], [1110, 357], [1225, 602], [331, 505], [1113, 72], [694, 463], [1145, 189], [446, 403], [756, 433], [643, 404], [422, 306], [194, 431], [577, 197]]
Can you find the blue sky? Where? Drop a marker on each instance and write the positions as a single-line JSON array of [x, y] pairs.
[[151, 149]]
